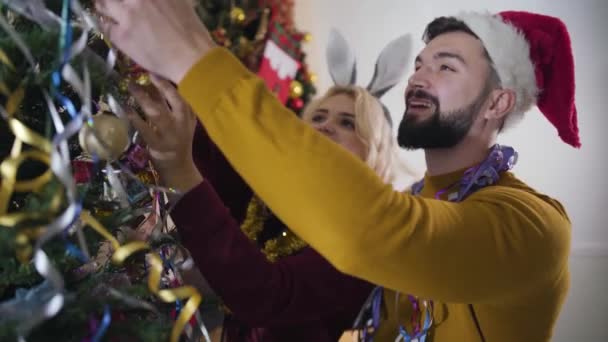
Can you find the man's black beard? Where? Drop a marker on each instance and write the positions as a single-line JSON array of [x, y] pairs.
[[441, 130]]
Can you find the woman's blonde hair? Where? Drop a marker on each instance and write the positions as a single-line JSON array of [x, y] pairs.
[[373, 127]]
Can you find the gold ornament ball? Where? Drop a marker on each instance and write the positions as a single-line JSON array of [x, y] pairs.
[[237, 15], [307, 38], [295, 89], [312, 77], [111, 130]]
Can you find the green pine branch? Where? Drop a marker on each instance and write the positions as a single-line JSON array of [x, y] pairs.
[[88, 294]]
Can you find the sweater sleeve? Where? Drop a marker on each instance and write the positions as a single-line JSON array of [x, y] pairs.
[[295, 289], [214, 168], [499, 243]]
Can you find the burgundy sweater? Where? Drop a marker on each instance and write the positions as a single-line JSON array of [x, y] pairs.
[[298, 298]]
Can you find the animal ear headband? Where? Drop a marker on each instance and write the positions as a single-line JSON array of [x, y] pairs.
[[390, 65]]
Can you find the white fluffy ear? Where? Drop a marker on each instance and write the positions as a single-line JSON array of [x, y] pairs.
[[391, 65], [340, 59]]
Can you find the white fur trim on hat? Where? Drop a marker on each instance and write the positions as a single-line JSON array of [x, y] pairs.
[[510, 54]]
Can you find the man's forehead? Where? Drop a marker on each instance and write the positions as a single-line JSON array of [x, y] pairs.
[[463, 44]]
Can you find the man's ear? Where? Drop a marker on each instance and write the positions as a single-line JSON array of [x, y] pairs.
[[502, 102]]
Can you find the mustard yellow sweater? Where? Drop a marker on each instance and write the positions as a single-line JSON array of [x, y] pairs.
[[496, 264]]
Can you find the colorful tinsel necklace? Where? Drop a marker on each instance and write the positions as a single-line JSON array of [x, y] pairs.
[[286, 243], [499, 160]]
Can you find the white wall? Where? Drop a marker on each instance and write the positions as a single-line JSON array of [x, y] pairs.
[[576, 177]]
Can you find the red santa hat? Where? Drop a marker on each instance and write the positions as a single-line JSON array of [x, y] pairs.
[[532, 55]]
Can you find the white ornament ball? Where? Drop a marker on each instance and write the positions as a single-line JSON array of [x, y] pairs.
[[111, 130]]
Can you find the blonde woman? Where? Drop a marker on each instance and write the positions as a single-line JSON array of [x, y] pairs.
[[274, 286]]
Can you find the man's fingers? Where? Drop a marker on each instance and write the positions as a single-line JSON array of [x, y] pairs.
[[110, 10]]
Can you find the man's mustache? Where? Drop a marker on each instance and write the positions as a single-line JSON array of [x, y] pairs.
[[421, 94]]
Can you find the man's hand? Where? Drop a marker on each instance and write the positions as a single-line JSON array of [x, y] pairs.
[[165, 37]]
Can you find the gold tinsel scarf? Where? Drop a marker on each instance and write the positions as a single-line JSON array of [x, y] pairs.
[[287, 243]]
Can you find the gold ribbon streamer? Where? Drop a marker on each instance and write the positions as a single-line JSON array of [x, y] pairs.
[[8, 172], [13, 219], [26, 135], [14, 100], [121, 253], [4, 89], [9, 184], [10, 166], [5, 60]]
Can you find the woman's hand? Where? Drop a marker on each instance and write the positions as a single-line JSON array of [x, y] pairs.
[[168, 131]]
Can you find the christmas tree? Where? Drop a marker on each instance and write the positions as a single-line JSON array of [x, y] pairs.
[[85, 249], [262, 34]]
